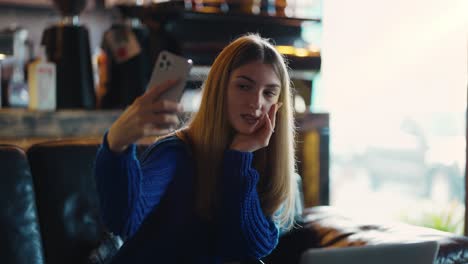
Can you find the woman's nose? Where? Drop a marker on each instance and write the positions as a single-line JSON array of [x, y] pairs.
[[255, 101]]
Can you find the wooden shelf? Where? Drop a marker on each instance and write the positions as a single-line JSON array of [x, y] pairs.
[[24, 128]]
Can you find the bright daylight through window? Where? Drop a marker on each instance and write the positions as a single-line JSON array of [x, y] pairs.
[[394, 80]]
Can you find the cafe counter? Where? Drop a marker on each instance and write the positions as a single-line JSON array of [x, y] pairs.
[[24, 128]]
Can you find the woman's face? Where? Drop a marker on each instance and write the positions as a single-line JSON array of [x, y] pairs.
[[252, 89]]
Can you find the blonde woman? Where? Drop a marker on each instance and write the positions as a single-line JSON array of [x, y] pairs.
[[217, 190]]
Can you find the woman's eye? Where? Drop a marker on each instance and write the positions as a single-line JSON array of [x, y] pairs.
[[270, 93], [243, 87]]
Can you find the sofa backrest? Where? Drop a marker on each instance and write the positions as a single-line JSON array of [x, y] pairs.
[[20, 239], [66, 199]]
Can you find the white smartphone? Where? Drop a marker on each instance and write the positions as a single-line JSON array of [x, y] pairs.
[[170, 66]]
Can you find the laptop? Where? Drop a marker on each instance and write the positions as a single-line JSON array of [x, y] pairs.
[[411, 253]]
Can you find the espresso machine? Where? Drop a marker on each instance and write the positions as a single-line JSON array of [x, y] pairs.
[[127, 46], [67, 45]]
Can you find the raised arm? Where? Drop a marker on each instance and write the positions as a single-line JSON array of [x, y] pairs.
[[128, 190], [119, 177]]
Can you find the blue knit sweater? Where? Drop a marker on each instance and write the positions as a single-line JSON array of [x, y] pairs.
[[150, 202]]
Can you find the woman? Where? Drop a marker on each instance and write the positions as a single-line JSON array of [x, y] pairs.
[[217, 190]]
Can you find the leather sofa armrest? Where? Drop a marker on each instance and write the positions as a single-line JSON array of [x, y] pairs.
[[325, 226], [292, 244], [20, 239]]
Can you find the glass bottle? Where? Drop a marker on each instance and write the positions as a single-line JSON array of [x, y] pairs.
[[18, 88]]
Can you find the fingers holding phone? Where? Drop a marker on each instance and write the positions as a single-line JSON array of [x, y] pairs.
[[146, 116], [154, 92], [155, 112], [166, 86]]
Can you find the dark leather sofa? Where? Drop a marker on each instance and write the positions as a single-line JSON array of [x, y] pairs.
[[20, 238], [49, 213], [324, 226]]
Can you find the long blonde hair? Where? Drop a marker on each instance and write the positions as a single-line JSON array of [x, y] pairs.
[[210, 134]]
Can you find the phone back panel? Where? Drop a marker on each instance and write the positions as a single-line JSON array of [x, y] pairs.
[[170, 67]]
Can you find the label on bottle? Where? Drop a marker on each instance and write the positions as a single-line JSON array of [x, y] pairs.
[[42, 86]]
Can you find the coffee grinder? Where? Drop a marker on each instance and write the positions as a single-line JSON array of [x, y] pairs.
[[67, 45]]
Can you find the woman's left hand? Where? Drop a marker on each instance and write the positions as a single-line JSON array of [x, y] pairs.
[[260, 138]]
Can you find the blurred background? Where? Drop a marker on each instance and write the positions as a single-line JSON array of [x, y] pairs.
[[390, 75], [394, 80]]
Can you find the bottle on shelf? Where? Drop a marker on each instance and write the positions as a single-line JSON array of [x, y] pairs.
[[17, 90], [42, 83]]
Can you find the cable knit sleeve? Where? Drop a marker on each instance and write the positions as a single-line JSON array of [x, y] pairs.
[[129, 189], [245, 230]]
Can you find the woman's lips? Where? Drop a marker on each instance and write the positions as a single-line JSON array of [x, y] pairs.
[[250, 119]]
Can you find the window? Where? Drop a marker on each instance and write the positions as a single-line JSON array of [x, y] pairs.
[[394, 80]]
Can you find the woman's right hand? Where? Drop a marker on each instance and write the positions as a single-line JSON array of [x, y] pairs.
[[146, 116]]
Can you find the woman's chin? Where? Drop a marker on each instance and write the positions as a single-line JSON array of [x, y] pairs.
[[246, 130]]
